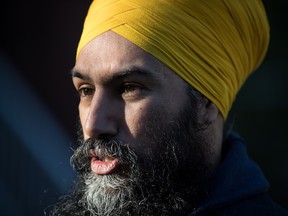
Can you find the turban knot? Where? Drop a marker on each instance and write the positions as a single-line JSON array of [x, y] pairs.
[[214, 45]]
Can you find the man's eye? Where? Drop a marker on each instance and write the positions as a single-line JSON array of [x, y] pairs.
[[84, 92], [130, 90]]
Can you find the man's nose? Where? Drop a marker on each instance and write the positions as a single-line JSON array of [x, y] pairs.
[[102, 118]]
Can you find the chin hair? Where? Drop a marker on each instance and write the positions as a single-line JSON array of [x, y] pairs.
[[109, 194]]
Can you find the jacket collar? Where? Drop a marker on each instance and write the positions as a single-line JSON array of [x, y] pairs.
[[236, 178]]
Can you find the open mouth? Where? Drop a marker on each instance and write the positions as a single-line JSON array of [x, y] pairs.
[[102, 165]]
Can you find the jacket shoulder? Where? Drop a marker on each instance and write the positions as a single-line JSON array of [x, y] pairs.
[[260, 205]]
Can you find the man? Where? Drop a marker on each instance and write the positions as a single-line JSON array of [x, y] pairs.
[[156, 80]]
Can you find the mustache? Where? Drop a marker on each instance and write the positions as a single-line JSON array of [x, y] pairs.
[[101, 148]]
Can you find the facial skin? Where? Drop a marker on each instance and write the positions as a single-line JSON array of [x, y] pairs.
[[148, 145]]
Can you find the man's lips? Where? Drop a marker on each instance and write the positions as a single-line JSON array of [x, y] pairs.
[[104, 166]]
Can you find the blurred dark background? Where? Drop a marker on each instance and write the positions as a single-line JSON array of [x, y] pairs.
[[38, 109]]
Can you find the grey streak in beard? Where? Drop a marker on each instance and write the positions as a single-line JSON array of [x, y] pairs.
[[107, 195]]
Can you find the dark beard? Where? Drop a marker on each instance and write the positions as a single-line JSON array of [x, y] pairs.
[[167, 179]]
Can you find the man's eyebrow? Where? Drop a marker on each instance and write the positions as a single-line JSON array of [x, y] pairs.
[[130, 72], [75, 73], [134, 71]]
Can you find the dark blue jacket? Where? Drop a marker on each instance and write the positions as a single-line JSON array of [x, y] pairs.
[[238, 187]]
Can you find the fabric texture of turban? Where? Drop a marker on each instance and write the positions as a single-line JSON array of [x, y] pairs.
[[214, 45]]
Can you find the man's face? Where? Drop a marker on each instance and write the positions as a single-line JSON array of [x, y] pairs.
[[120, 87], [143, 150]]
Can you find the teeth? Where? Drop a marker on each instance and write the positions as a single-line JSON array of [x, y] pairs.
[[97, 153], [107, 159]]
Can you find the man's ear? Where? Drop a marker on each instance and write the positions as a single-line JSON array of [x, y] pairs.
[[211, 112], [207, 111]]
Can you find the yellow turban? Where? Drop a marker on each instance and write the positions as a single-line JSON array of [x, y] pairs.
[[214, 45]]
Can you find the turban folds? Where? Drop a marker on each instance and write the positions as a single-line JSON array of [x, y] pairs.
[[214, 45]]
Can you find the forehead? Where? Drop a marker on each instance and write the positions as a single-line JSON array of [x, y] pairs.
[[110, 52]]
